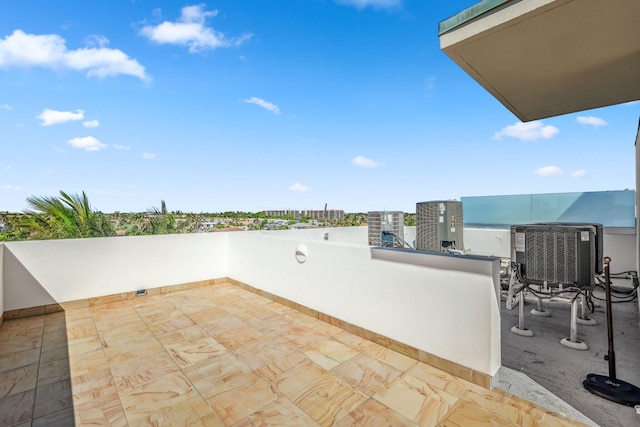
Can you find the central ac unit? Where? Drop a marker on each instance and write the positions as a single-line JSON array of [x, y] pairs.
[[439, 226], [567, 254]]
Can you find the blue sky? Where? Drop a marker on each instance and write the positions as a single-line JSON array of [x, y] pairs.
[[250, 104]]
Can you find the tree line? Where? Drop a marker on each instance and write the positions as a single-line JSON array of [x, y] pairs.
[[71, 216]]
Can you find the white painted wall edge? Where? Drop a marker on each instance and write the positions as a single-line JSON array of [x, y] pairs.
[[1, 279], [452, 314], [48, 271]]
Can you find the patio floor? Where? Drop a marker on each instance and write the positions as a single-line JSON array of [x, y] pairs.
[[221, 355]]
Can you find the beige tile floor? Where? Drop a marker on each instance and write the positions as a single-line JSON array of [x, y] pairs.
[[221, 355]]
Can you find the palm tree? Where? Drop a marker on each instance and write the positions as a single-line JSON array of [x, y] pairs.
[[160, 221], [66, 217]]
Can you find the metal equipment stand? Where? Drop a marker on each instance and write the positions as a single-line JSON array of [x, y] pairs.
[[610, 387], [539, 311], [573, 341], [584, 319], [520, 329]]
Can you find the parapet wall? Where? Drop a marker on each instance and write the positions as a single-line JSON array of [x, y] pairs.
[[443, 308]]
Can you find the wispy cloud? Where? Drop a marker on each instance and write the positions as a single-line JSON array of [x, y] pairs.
[[121, 147], [96, 40], [548, 171], [364, 162], [264, 104], [91, 124], [5, 107], [191, 30], [299, 188], [591, 121], [379, 4], [87, 143], [579, 173], [149, 156], [51, 117], [50, 51], [11, 187], [430, 82], [529, 131]]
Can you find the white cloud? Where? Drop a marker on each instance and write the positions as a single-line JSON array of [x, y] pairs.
[[121, 147], [50, 51], [87, 143], [191, 30], [361, 4], [148, 156], [91, 124], [529, 131], [264, 104], [51, 117], [579, 173], [298, 187], [11, 187], [96, 40], [364, 162], [591, 121], [548, 171], [430, 82], [5, 107]]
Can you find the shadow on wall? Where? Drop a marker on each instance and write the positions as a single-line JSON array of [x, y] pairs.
[[20, 285]]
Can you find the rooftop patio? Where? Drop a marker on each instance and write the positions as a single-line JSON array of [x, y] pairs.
[[310, 323], [222, 355]]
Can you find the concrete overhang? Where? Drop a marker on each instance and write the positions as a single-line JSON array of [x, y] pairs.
[[544, 58]]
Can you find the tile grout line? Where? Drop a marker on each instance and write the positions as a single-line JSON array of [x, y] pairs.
[[35, 393], [103, 347]]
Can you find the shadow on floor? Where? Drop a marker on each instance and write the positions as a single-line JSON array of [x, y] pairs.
[[35, 380], [561, 370]]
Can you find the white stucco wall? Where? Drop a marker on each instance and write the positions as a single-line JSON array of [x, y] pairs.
[[620, 245], [1, 279], [448, 310], [448, 313], [487, 241], [637, 245], [353, 235], [43, 272]]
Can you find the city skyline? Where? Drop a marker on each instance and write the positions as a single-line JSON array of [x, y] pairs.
[[248, 106]]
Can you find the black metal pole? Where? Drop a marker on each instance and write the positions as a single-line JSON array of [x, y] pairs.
[[610, 387], [611, 356]]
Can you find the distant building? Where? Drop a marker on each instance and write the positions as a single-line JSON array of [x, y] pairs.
[[300, 225], [2, 227], [318, 214], [295, 214], [324, 214], [208, 225]]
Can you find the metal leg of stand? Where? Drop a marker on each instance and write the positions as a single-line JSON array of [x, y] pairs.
[[541, 312], [520, 329], [573, 341], [584, 319], [511, 298]]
